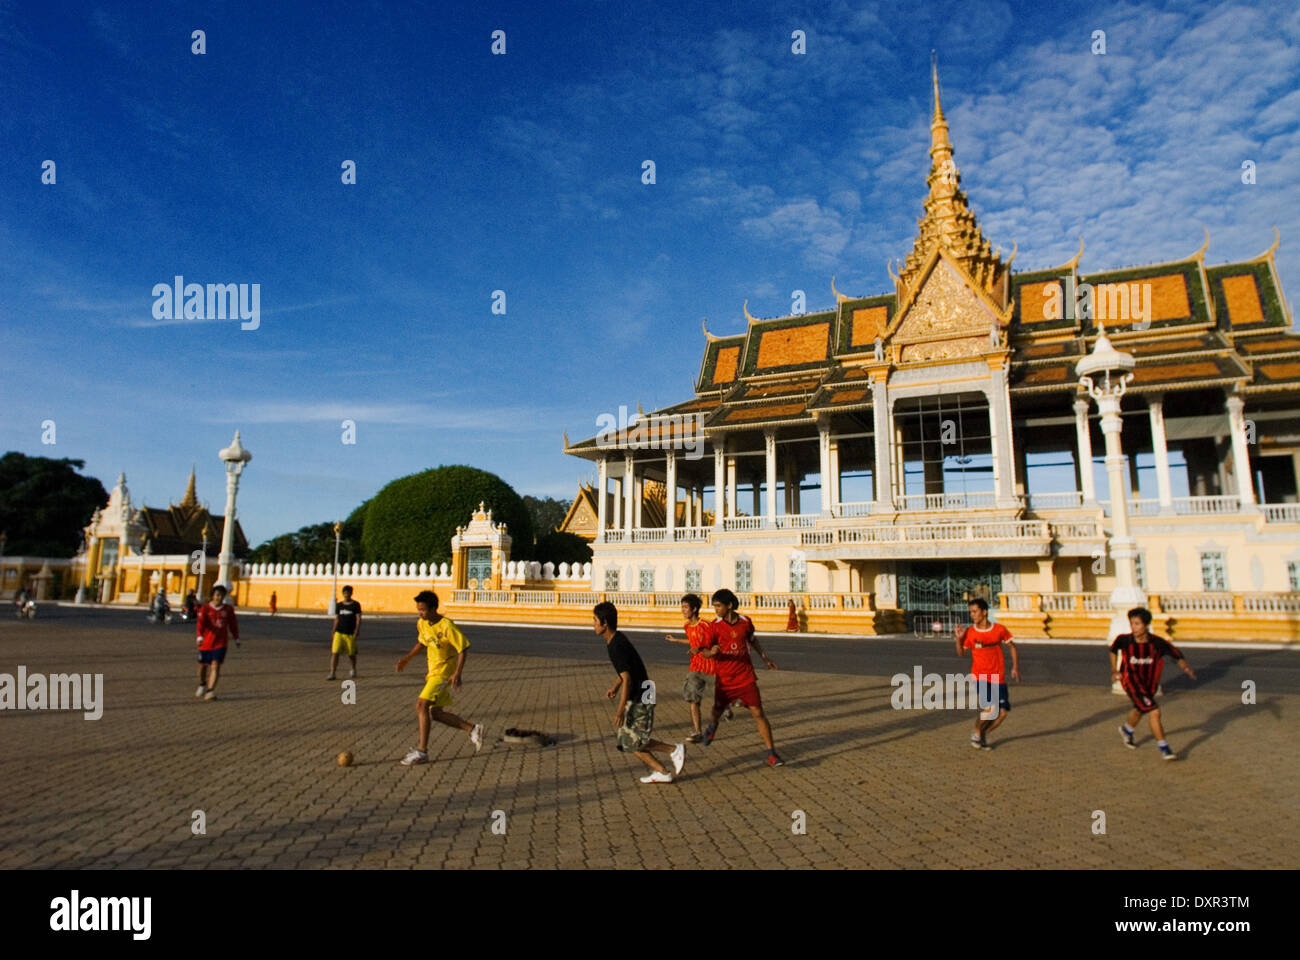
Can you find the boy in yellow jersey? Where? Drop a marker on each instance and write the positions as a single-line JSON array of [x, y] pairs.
[[446, 647]]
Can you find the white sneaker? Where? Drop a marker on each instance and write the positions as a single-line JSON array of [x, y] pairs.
[[414, 757], [201, 690], [679, 757], [476, 737], [657, 777], [352, 673]]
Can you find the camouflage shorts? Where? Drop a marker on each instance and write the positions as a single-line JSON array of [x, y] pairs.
[[693, 687], [638, 721]]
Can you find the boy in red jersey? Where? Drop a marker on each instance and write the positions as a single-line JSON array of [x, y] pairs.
[[984, 641], [732, 635], [216, 621], [698, 637], [1136, 661]]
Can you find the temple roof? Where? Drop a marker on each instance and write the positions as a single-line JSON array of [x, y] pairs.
[[1188, 325]]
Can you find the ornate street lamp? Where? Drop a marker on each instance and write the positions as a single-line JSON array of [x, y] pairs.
[[334, 593], [1105, 374], [234, 457]]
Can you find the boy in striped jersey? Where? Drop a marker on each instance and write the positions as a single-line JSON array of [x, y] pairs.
[[1136, 661]]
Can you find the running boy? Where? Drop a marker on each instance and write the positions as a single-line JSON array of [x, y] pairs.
[[446, 647], [984, 641], [732, 635], [347, 624], [698, 637], [1136, 661], [216, 623], [634, 718]]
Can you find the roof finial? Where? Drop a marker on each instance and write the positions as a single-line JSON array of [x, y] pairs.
[[191, 498], [934, 72]]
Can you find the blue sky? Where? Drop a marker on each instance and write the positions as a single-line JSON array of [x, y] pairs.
[[522, 173]]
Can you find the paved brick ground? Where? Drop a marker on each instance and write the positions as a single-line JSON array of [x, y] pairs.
[[879, 787]]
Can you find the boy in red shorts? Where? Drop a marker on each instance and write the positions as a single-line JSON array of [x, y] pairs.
[[984, 641], [698, 637], [732, 636], [1136, 661], [216, 623]]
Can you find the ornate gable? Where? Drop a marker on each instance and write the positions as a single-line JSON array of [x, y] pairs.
[[948, 316]]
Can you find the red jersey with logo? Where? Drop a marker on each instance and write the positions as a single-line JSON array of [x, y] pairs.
[[700, 635], [214, 624], [734, 667], [1140, 664], [985, 648]]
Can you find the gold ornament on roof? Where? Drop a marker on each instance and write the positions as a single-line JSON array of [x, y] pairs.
[[948, 221]]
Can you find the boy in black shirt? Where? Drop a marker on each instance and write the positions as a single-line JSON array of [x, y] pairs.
[[634, 720], [347, 624]]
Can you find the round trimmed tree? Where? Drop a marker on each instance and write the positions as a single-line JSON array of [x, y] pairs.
[[413, 519]]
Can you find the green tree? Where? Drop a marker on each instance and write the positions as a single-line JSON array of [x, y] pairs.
[[561, 548], [413, 519], [310, 544], [547, 513], [45, 504]]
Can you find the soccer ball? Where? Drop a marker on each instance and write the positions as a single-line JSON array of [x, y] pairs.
[[345, 758]]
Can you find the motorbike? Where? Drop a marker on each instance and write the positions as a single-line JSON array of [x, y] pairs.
[[161, 613], [26, 610]]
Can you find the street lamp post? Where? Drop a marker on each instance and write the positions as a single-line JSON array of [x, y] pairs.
[[334, 593], [1105, 373], [234, 457]]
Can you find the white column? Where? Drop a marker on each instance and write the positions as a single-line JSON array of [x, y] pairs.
[[228, 531], [638, 493], [1084, 437], [719, 485], [1241, 453], [884, 431], [1000, 438], [731, 486], [824, 464], [602, 493], [1160, 447], [769, 450], [670, 501], [628, 493], [1122, 546]]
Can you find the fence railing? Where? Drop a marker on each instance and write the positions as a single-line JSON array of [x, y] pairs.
[[1055, 501], [918, 502], [1281, 512], [932, 532]]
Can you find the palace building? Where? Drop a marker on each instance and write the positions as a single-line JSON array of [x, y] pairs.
[[897, 454], [128, 554]]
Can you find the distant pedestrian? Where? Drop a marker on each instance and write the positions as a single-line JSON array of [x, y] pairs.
[[1136, 661], [273, 603], [984, 641], [792, 619], [216, 624], [634, 716], [347, 625], [445, 646], [732, 636]]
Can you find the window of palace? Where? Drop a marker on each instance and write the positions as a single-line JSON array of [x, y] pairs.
[[744, 576], [1140, 568], [611, 579], [693, 579], [798, 575], [1293, 575], [1214, 574], [646, 581], [946, 444]]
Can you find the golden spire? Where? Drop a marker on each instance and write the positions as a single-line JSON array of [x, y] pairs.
[[191, 499], [948, 221]]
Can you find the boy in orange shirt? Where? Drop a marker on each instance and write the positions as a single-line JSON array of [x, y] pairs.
[[984, 640], [699, 636]]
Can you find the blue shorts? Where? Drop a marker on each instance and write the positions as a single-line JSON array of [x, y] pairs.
[[212, 656], [990, 692]]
